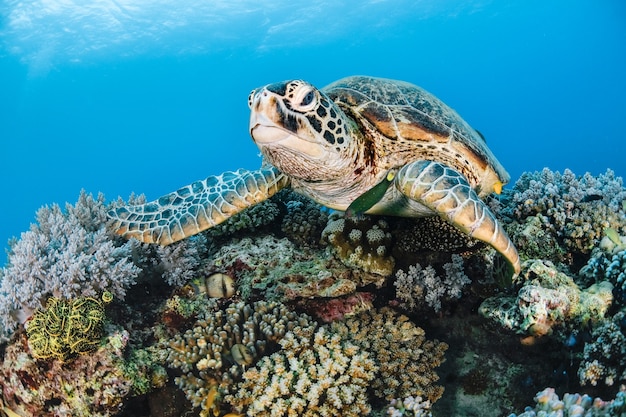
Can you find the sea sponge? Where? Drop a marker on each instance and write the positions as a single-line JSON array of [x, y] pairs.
[[406, 361], [363, 242]]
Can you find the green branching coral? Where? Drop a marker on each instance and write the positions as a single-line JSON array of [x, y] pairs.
[[66, 328]]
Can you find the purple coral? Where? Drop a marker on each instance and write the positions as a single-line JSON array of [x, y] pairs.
[[67, 254]]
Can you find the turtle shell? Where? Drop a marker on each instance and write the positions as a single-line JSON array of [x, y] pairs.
[[410, 116]]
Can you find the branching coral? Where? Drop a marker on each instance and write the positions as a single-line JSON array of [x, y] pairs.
[[577, 209], [70, 254], [66, 255], [420, 284], [604, 358], [406, 361], [548, 404], [212, 355], [322, 375]]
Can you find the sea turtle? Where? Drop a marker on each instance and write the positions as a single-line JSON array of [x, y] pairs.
[[362, 144]]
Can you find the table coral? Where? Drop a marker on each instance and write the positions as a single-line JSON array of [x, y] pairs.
[[204, 353], [66, 328], [322, 375], [361, 242], [406, 360]]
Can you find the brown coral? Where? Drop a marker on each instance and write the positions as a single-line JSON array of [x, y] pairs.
[[406, 360], [363, 243]]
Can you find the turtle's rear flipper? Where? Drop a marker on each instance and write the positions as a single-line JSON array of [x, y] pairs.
[[448, 193], [198, 206]]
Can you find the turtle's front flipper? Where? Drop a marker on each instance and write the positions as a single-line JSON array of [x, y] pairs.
[[448, 193], [198, 206]]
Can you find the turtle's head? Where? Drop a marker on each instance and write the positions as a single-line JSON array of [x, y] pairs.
[[300, 130]]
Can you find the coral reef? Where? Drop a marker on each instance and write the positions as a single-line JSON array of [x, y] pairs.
[[322, 375], [304, 219], [65, 255], [72, 254], [423, 285], [409, 407], [276, 269], [361, 242], [406, 361], [66, 328], [194, 308], [604, 357], [575, 211], [333, 309], [213, 353], [550, 405], [548, 300], [93, 385]]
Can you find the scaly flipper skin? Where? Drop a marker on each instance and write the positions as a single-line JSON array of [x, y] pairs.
[[198, 206], [448, 193]]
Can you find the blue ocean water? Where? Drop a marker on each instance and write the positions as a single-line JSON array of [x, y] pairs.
[[134, 96]]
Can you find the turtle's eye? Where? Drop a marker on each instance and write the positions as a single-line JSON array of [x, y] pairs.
[[308, 99], [305, 99]]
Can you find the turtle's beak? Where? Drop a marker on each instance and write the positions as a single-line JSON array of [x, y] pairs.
[[264, 114]]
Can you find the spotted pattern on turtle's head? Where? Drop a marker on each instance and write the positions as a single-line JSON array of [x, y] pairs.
[[302, 107]]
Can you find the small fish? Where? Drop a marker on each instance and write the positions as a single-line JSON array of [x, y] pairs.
[[613, 235], [372, 196], [591, 197]]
